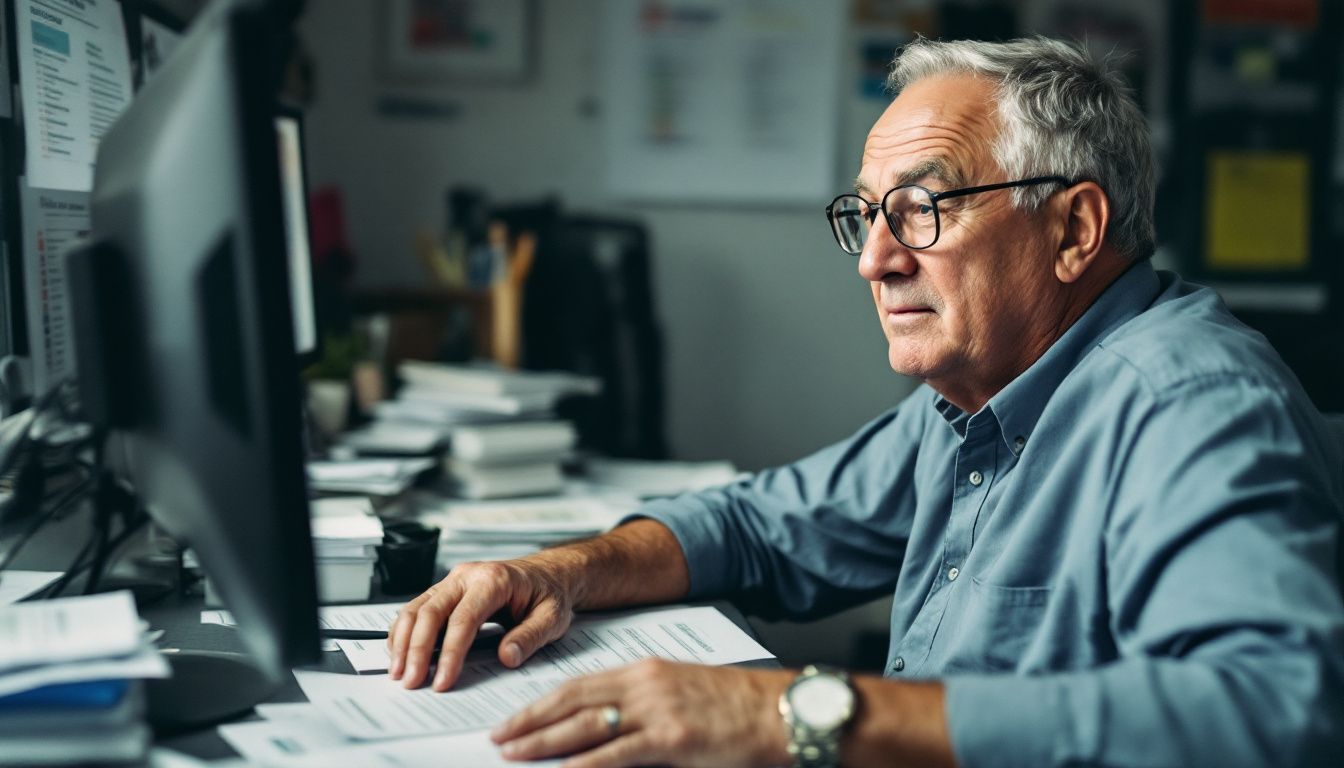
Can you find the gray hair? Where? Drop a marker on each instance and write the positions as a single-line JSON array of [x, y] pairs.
[[1061, 112]]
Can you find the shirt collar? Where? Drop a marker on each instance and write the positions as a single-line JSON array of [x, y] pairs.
[[1018, 406]]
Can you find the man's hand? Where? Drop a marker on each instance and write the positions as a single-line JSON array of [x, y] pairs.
[[534, 595], [635, 564], [669, 713]]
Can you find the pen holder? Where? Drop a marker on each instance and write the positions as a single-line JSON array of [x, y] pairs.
[[406, 557]]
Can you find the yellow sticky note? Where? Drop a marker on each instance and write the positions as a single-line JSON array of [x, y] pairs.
[[1259, 211]]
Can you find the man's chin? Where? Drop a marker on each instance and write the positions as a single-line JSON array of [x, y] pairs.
[[907, 361]]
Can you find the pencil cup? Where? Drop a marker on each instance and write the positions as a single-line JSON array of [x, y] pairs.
[[406, 557]]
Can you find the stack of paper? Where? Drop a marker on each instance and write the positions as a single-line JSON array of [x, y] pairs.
[[447, 401], [346, 535], [504, 460], [649, 479], [369, 477], [372, 721], [500, 530], [67, 681]]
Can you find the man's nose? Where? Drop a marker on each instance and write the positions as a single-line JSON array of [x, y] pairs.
[[884, 255]]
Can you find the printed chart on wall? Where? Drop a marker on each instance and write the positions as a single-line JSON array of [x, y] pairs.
[[732, 101], [75, 78], [52, 221]]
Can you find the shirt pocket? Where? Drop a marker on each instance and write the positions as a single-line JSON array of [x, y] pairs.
[[999, 624]]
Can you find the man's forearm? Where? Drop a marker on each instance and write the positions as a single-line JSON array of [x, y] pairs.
[[638, 563]]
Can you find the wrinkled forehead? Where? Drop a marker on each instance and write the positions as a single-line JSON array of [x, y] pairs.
[[939, 131]]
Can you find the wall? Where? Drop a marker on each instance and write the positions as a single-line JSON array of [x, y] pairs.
[[773, 347]]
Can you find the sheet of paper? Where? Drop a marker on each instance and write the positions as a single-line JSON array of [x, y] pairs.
[[75, 79], [375, 617], [68, 629], [1258, 211], [378, 708], [16, 585], [147, 662], [52, 221], [284, 710], [307, 739]]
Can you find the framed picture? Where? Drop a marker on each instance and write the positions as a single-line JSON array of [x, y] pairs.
[[457, 40]]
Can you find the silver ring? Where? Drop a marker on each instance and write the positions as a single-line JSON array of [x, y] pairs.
[[611, 715]]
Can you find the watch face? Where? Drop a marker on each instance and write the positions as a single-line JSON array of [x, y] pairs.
[[822, 702]]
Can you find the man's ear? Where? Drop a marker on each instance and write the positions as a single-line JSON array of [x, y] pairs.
[[1087, 213]]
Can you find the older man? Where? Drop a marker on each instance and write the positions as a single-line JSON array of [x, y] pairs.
[[1110, 517]]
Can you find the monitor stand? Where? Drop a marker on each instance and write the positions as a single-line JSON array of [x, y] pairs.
[[207, 687]]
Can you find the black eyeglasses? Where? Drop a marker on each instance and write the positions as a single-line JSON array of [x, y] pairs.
[[911, 212]]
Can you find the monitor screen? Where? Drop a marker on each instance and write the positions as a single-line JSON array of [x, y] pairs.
[[294, 195]]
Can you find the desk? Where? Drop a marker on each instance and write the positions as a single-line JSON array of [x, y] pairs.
[[180, 619]]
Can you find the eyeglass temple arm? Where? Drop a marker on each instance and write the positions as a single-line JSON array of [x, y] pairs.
[[1000, 185]]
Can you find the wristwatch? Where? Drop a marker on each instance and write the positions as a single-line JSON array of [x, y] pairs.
[[816, 707]]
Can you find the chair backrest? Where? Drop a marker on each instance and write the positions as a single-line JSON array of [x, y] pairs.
[[588, 307]]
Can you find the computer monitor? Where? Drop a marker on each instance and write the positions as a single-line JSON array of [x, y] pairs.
[[183, 328], [294, 193]]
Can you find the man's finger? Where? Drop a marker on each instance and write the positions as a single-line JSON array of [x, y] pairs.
[[581, 730], [592, 691], [633, 749], [535, 630], [399, 637], [465, 620], [424, 635]]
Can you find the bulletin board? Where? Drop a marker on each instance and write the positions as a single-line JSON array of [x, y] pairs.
[[722, 101]]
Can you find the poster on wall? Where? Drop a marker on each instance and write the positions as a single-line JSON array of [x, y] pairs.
[[456, 40], [731, 101]]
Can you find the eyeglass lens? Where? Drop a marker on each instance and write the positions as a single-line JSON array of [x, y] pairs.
[[909, 211]]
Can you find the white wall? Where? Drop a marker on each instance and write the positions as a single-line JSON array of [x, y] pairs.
[[773, 345]]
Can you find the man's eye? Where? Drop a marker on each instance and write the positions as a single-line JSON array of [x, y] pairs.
[[924, 209]]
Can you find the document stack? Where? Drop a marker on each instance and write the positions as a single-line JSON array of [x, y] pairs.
[[346, 535], [69, 681], [368, 477], [504, 529], [445, 397], [493, 461]]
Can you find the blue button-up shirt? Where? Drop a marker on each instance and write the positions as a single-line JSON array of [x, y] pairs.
[[1128, 557]]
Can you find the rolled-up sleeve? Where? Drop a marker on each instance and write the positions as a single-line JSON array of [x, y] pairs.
[[1222, 545], [814, 536]]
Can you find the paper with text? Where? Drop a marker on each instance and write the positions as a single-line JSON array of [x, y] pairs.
[[16, 585], [487, 692], [75, 78]]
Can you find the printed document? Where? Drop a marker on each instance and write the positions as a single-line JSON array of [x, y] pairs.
[[16, 585], [487, 692], [69, 629], [303, 737], [52, 222], [75, 77]]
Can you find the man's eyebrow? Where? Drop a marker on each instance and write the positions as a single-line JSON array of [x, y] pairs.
[[936, 168], [939, 169]]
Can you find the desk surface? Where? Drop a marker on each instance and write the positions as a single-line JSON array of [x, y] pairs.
[[180, 619]]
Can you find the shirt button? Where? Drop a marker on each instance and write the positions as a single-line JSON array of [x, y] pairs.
[[898, 664], [1019, 443], [952, 574], [976, 478]]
